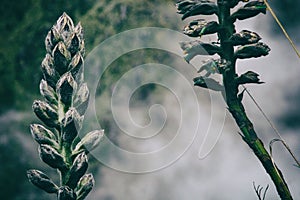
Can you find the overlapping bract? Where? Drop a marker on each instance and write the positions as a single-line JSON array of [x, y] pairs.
[[246, 43], [65, 101]]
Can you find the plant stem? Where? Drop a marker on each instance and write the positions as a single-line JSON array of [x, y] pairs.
[[236, 108]]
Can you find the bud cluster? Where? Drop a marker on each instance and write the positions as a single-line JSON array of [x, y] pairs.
[[66, 98], [245, 43]]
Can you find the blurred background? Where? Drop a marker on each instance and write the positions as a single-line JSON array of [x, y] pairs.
[[226, 173]]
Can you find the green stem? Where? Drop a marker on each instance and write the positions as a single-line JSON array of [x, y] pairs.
[[236, 108], [64, 147]]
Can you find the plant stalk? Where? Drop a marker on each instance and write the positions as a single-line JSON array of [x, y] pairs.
[[236, 107]]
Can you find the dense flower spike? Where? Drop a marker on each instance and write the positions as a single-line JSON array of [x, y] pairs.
[[230, 46], [66, 100]]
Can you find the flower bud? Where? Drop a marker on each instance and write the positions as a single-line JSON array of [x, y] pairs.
[[51, 157], [50, 75], [65, 88], [192, 8], [251, 9], [71, 125], [66, 193], [47, 92], [252, 51], [90, 141], [61, 57], [42, 181], [84, 186], [201, 27], [244, 37], [45, 113], [77, 170], [249, 77], [65, 23], [76, 68], [42, 135]]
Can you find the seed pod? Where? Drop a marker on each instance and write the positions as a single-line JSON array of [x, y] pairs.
[[202, 7], [45, 113], [249, 77], [209, 83], [81, 101], [201, 27], [252, 51], [51, 157], [244, 37], [42, 135], [65, 88], [71, 125], [61, 57], [90, 141], [77, 170], [251, 9], [66, 193], [84, 186], [194, 48], [42, 181], [48, 93]]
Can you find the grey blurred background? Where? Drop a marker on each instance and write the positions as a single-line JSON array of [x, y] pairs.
[[226, 173]]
